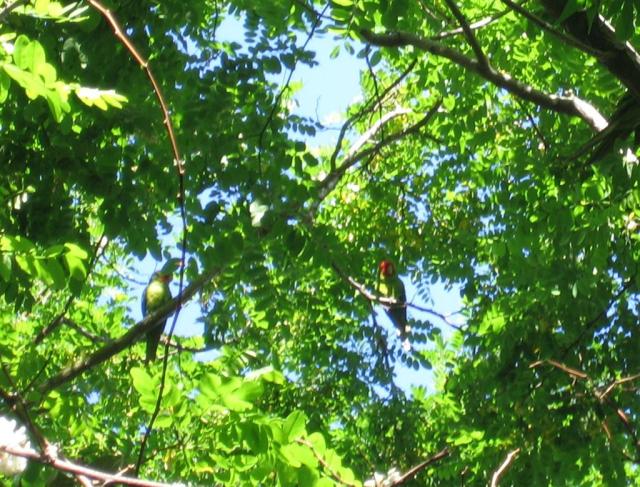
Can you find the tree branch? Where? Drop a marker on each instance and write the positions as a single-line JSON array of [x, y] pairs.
[[546, 26], [620, 58], [468, 33], [615, 384], [497, 475], [473, 26], [325, 464], [329, 183], [569, 105], [141, 328], [12, 6], [367, 108], [78, 470], [391, 302], [98, 250], [568, 370], [412, 472]]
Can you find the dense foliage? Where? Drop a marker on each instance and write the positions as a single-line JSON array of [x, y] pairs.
[[494, 150]]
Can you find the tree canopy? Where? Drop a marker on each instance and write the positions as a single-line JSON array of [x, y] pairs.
[[494, 150]]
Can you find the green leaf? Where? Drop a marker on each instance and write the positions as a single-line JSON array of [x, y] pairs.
[[28, 55], [294, 426], [5, 82], [5, 267], [51, 272], [142, 381]]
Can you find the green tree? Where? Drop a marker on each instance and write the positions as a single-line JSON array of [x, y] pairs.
[[495, 150]]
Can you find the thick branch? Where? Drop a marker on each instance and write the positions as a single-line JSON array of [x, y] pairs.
[[620, 58], [546, 26], [409, 474], [141, 328], [569, 105], [76, 469], [9, 8], [497, 475]]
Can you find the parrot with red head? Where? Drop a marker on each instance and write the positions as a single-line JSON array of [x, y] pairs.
[[391, 286]]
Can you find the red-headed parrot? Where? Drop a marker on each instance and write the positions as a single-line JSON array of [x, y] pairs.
[[154, 296], [391, 286]]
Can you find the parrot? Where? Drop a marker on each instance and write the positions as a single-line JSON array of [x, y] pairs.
[[391, 286], [154, 296]]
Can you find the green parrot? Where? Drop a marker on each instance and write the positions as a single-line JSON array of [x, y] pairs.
[[391, 286], [154, 296]]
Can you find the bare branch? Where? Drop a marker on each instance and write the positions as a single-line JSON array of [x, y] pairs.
[[601, 396], [285, 87], [412, 472], [78, 470], [568, 370], [473, 26], [367, 108], [569, 105], [329, 183], [497, 475], [468, 33]]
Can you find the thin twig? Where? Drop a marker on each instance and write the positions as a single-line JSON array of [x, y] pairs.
[[497, 475], [324, 463], [534, 124], [144, 64], [568, 370], [376, 91], [473, 26], [586, 328], [329, 183], [391, 302], [616, 383], [17, 404], [98, 251], [371, 105], [468, 33], [285, 87]]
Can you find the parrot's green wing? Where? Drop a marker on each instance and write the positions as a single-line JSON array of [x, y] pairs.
[[156, 294]]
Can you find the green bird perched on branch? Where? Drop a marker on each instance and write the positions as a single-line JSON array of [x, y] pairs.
[[154, 296], [391, 286]]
